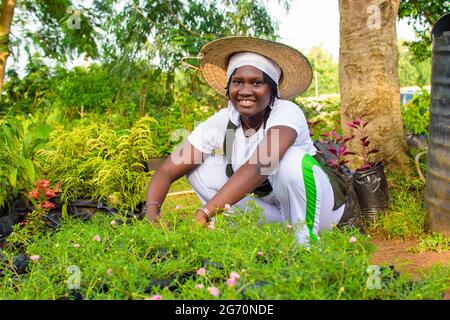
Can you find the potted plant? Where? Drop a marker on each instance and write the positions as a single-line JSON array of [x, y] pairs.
[[369, 180], [335, 151]]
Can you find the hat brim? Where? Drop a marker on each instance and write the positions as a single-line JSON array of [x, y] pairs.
[[296, 70]]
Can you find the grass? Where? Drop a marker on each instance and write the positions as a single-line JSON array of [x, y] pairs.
[[434, 242], [405, 217], [130, 257]]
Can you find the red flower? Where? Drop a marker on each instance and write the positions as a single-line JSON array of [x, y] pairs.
[[42, 183], [34, 194], [48, 205], [49, 193]]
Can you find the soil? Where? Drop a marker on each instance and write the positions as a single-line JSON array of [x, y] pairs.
[[395, 252]]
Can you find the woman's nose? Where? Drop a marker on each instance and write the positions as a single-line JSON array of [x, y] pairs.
[[246, 89]]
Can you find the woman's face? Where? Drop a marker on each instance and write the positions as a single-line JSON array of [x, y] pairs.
[[249, 93]]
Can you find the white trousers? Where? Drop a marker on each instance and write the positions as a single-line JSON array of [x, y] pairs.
[[287, 201]]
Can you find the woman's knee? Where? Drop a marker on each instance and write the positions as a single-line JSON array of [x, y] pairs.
[[210, 174], [289, 168]]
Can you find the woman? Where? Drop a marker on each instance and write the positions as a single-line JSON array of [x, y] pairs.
[[265, 137]]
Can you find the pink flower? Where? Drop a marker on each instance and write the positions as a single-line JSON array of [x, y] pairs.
[[201, 271], [97, 238], [290, 226], [34, 258], [213, 291], [227, 207], [231, 282], [178, 207], [352, 239], [156, 297], [211, 225], [199, 286], [76, 245], [260, 254], [234, 275], [109, 272]]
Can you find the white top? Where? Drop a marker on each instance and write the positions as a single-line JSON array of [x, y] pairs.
[[210, 134]]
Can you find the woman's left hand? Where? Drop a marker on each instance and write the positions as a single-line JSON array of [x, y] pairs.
[[200, 217]]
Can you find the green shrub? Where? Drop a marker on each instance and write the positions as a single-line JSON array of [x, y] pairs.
[[322, 117], [416, 114], [95, 162], [20, 139]]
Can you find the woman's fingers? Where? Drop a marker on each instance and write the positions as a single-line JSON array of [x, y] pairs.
[[200, 217]]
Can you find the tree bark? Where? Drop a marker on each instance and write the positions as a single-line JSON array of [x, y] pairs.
[[5, 28], [368, 76]]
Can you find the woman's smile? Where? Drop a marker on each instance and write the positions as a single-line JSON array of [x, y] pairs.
[[246, 103]]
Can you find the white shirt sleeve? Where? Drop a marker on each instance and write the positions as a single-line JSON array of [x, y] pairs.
[[287, 113], [209, 134]]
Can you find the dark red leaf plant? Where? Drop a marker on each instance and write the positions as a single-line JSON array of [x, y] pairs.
[[360, 125], [337, 145]]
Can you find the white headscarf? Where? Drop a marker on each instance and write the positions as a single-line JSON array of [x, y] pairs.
[[256, 60]]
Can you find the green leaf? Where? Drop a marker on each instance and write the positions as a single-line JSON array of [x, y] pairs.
[[43, 131], [64, 211], [13, 177], [29, 169]]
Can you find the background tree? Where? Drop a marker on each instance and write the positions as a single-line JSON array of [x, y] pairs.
[[412, 72], [118, 33], [368, 75], [5, 28], [327, 72], [422, 14]]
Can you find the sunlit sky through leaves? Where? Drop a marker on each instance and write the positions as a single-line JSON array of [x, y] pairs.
[[308, 23]]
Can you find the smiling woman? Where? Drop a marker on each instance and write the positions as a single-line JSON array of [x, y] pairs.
[[265, 139]]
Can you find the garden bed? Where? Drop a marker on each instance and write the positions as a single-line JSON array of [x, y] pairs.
[[184, 261]]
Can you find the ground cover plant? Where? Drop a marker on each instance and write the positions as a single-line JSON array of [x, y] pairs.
[[238, 258]]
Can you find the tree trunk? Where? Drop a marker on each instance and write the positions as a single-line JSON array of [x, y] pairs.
[[368, 76], [5, 27]]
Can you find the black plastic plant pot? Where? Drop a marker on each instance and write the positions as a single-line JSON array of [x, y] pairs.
[[6, 224], [85, 209], [352, 216], [372, 190], [417, 141]]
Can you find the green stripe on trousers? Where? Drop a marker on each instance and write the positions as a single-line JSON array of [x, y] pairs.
[[310, 187]]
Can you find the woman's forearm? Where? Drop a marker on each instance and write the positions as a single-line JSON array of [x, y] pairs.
[[157, 192]]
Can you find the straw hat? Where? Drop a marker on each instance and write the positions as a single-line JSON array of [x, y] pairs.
[[296, 70]]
